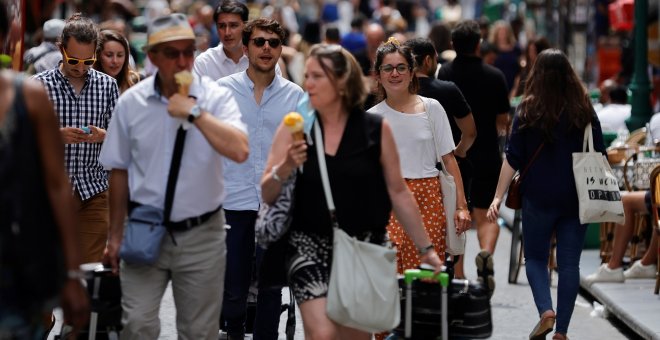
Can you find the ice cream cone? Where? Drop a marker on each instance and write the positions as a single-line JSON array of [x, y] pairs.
[[295, 123], [184, 79]]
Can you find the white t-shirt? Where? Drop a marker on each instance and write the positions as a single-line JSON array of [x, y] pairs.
[[414, 139], [613, 117], [654, 124]]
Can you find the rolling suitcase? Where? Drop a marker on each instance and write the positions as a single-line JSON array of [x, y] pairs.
[[412, 275], [104, 292], [467, 311]]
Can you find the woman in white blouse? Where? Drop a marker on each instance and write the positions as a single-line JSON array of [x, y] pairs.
[[421, 132]]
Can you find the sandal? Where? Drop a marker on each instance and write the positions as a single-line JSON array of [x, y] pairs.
[[484, 261], [542, 328]]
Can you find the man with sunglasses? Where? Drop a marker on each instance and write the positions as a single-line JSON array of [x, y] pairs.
[[263, 98], [149, 117], [83, 99], [228, 57]]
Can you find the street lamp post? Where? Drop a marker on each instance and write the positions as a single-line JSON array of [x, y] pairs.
[[640, 84]]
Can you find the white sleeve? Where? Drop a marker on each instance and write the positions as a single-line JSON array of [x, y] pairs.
[[116, 149], [220, 102], [199, 67], [444, 141]]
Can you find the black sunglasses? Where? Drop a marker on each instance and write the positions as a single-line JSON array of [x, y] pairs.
[[273, 42], [173, 53]]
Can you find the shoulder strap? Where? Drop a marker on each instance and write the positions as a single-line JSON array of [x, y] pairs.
[[425, 101], [173, 176], [320, 152], [536, 153], [19, 99]]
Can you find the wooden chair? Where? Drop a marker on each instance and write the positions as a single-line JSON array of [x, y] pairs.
[[637, 137], [655, 205]]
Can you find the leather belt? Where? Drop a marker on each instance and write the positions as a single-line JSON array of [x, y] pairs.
[[192, 222]]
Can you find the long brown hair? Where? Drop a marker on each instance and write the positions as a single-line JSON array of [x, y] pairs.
[[126, 77], [553, 88]]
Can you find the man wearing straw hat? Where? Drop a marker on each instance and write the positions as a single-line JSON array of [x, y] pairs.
[[138, 149]]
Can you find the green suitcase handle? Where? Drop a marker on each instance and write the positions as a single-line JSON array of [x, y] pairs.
[[411, 274]]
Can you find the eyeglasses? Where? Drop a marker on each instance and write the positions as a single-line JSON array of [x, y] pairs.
[[273, 42], [173, 53], [76, 61], [401, 68]]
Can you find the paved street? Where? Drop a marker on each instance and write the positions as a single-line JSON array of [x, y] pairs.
[[514, 314]]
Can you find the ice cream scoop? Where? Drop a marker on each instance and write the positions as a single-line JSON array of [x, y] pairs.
[[295, 123], [184, 79]]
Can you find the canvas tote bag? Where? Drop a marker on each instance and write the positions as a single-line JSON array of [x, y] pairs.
[[455, 243], [597, 187], [363, 292]]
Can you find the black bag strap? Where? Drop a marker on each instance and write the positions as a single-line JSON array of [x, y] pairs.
[[173, 176], [538, 150]]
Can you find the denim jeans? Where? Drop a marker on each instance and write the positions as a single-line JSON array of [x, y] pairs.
[[538, 225], [240, 255]]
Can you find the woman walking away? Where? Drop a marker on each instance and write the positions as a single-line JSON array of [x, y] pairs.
[[112, 58], [550, 123], [365, 175], [421, 131]]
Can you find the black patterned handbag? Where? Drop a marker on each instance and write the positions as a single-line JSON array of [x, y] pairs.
[[273, 220]]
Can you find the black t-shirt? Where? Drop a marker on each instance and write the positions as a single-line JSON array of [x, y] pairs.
[[451, 99], [485, 90], [362, 58]]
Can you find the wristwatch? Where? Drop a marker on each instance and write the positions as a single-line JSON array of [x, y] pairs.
[[195, 111]]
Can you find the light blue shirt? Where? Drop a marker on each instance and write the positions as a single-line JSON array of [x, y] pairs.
[[243, 181]]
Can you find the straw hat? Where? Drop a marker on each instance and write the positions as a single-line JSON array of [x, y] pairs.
[[169, 28]]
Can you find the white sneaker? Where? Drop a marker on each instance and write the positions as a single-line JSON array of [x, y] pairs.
[[605, 274], [640, 271]]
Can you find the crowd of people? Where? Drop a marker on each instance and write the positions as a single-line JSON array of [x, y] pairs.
[[393, 96]]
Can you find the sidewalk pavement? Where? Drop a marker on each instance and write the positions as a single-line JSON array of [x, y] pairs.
[[632, 302]]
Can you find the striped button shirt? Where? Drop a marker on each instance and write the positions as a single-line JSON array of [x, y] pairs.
[[93, 106]]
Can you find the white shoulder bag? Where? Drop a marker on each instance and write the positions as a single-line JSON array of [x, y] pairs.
[[597, 187], [455, 243], [363, 292]]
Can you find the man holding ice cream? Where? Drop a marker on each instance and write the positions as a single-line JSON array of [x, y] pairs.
[[139, 149], [263, 98]]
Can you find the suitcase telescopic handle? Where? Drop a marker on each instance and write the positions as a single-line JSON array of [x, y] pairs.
[[413, 274]]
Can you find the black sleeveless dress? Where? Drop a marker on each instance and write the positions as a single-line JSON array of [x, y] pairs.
[[362, 203], [31, 261]]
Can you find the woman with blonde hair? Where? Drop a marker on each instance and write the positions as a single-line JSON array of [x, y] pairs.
[[365, 177], [508, 51], [112, 58]]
